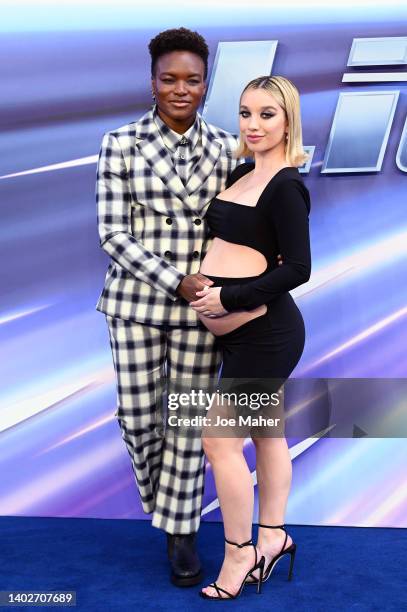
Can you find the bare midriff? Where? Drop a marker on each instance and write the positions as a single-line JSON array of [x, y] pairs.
[[232, 260]]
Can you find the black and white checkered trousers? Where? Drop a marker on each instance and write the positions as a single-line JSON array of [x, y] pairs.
[[169, 470]]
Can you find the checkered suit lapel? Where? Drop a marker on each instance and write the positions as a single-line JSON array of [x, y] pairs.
[[162, 172], [157, 157], [210, 154]]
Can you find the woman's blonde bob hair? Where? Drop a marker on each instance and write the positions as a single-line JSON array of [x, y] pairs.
[[287, 96]]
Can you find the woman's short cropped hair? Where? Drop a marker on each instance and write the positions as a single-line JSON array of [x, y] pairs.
[[178, 39]]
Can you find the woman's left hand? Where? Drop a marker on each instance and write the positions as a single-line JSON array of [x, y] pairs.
[[209, 303]]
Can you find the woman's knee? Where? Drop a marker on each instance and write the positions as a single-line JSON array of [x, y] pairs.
[[212, 448], [272, 442], [219, 448]]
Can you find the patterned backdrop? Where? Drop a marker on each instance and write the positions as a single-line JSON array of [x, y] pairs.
[[72, 71]]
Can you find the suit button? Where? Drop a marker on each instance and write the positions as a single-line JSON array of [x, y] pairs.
[[168, 221], [168, 254], [197, 221], [195, 254]]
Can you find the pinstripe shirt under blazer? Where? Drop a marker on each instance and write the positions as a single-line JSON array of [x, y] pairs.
[[150, 224]]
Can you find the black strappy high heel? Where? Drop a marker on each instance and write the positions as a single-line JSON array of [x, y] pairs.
[[258, 565], [291, 550]]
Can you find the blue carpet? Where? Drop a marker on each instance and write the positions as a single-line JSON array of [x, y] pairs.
[[120, 565]]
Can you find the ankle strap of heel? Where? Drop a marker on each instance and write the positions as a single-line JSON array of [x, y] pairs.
[[248, 543]]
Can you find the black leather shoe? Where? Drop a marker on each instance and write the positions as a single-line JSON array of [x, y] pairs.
[[184, 561]]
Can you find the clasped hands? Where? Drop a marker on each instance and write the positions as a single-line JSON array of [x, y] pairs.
[[208, 302]]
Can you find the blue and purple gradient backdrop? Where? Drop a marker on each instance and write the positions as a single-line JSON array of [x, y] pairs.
[[61, 453]]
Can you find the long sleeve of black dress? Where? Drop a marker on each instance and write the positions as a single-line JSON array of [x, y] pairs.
[[287, 211]]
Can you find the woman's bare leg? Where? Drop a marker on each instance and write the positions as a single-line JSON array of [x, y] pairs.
[[274, 474], [234, 487]]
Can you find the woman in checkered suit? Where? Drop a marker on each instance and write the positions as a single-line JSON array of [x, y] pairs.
[[156, 177]]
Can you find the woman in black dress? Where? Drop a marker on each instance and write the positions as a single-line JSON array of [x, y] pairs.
[[262, 212]]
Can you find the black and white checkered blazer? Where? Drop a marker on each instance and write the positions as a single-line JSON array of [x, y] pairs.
[[150, 224]]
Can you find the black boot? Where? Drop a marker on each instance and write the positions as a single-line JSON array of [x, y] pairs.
[[185, 564]]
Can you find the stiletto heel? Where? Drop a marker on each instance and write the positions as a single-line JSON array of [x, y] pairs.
[[292, 554], [258, 565], [290, 550], [260, 582]]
